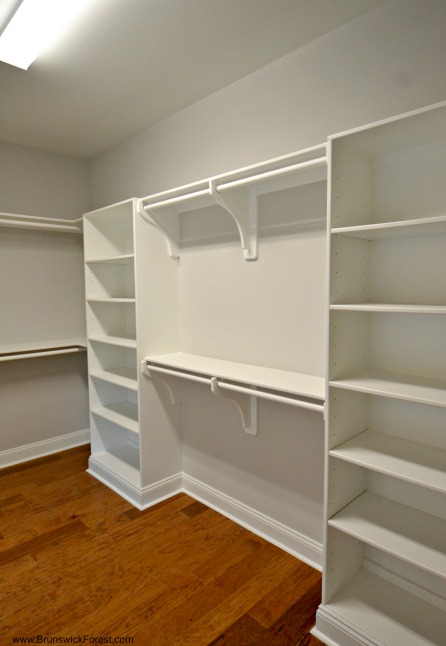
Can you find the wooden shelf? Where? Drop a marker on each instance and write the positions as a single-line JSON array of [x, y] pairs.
[[124, 259], [411, 461], [118, 300], [399, 530], [388, 613], [407, 387], [125, 377], [400, 229], [124, 414], [287, 382], [121, 341], [121, 460], [397, 308], [12, 220], [235, 194], [15, 352]]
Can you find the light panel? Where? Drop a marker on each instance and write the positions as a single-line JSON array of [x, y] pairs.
[[35, 26]]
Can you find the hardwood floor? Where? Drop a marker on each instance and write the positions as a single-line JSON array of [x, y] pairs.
[[78, 561]]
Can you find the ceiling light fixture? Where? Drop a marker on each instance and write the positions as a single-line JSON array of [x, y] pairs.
[[35, 26]]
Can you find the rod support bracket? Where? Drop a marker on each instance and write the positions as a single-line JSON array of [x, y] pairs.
[[246, 405]]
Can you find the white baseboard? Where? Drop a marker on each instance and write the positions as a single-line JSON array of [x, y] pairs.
[[140, 497], [333, 630], [45, 447], [290, 540]]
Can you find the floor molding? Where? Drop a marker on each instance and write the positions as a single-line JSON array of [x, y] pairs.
[[45, 447], [290, 540]]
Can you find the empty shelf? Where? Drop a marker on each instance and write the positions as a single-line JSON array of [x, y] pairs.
[[399, 530], [123, 259], [122, 461], [389, 613], [125, 377], [407, 387], [403, 308], [122, 341], [400, 229], [123, 414], [41, 349], [417, 463]]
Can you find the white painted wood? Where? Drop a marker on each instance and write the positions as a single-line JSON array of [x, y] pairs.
[[406, 387], [285, 381], [38, 449], [38, 223], [235, 194], [121, 341], [383, 613], [123, 414], [387, 306], [417, 463], [400, 530], [121, 376]]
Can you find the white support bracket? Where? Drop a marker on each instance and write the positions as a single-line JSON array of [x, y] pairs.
[[164, 378], [168, 223], [242, 206], [246, 404]]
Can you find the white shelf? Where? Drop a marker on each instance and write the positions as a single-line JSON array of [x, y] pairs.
[[124, 414], [417, 463], [121, 460], [407, 387], [125, 377], [124, 259], [43, 224], [123, 342], [390, 308], [15, 352], [399, 530], [118, 300], [386, 614], [400, 229], [235, 193], [287, 382]]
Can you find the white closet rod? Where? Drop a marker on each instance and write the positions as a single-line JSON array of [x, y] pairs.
[[278, 172], [239, 389], [35, 222], [16, 356]]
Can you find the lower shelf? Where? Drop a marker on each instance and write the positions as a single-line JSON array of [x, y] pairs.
[[122, 462], [123, 414], [373, 606], [404, 532]]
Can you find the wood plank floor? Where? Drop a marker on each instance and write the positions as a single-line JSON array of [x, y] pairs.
[[77, 560]]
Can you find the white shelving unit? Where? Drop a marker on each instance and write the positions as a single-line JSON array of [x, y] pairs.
[[237, 194], [111, 328], [234, 194], [385, 491]]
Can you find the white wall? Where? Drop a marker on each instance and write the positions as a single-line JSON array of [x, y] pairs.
[[43, 402], [390, 61], [33, 182]]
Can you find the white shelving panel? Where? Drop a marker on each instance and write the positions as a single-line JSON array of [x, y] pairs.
[[234, 194], [112, 343], [385, 490]]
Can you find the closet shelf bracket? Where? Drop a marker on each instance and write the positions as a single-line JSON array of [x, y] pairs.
[[241, 205], [247, 406], [164, 378]]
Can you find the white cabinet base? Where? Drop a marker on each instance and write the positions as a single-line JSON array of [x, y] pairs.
[[102, 468]]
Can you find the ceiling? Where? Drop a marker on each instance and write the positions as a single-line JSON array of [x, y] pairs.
[[128, 64]]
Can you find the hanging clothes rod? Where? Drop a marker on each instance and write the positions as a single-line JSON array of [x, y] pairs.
[[223, 385], [31, 354]]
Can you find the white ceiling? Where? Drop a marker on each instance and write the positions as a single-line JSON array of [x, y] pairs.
[[128, 64]]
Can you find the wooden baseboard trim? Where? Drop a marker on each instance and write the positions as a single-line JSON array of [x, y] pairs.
[[45, 447]]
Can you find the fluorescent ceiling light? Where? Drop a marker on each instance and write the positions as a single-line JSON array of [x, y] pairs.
[[35, 26]]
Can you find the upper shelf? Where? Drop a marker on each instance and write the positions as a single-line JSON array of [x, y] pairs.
[[46, 224], [235, 193], [41, 349], [400, 229]]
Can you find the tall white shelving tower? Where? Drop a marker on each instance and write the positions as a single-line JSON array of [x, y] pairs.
[[385, 533]]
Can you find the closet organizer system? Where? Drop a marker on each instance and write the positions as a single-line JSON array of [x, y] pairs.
[[385, 534], [385, 467], [133, 323], [32, 348]]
